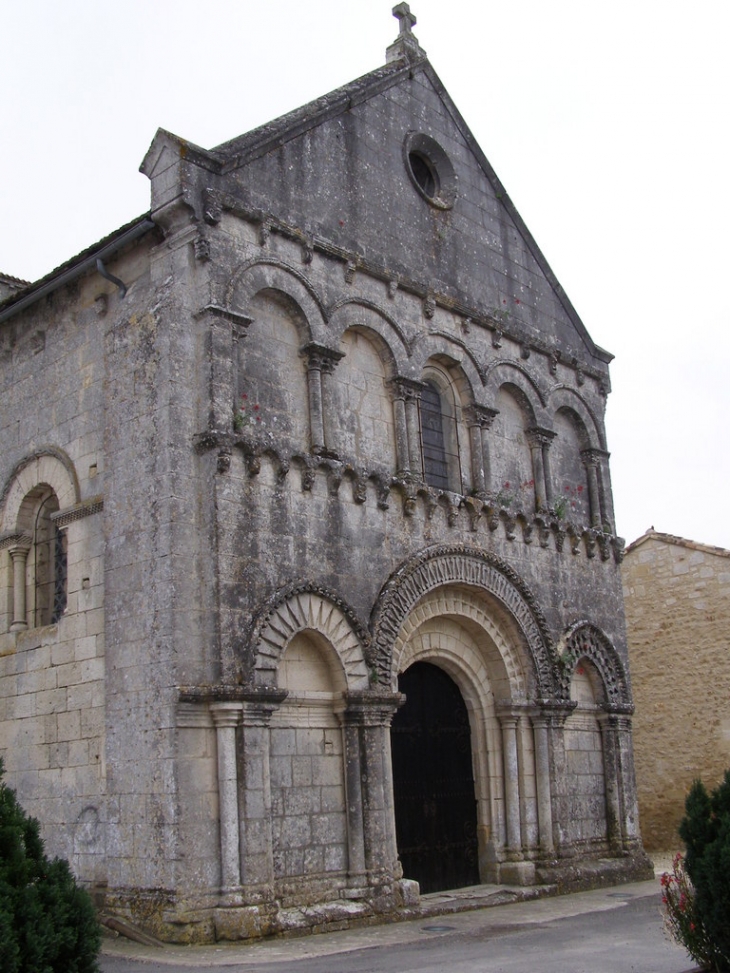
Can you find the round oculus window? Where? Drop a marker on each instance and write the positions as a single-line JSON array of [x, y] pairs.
[[430, 170]]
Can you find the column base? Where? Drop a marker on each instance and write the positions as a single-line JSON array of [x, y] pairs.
[[517, 873]]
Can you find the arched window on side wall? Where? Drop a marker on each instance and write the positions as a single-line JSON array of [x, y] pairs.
[[49, 564], [439, 438], [38, 563]]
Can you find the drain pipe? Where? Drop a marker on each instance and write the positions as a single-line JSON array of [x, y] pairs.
[[94, 261]]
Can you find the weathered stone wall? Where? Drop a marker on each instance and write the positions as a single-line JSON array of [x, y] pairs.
[[677, 596], [52, 712]]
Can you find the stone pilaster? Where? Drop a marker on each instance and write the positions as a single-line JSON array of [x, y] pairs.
[[256, 837], [371, 714], [226, 330]]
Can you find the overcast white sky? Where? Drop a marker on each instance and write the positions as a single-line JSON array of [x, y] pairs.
[[607, 123]]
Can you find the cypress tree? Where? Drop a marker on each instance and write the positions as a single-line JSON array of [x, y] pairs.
[[705, 830], [47, 922]]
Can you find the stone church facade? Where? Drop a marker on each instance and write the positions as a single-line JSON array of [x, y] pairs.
[[309, 578]]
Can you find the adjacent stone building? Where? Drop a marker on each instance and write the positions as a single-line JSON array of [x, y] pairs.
[[309, 579], [677, 595]]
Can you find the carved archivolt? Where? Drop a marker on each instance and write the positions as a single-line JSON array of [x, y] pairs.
[[585, 641], [277, 275], [438, 567], [306, 608], [48, 466], [500, 654]]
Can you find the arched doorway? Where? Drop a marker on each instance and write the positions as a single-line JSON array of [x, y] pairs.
[[433, 782]]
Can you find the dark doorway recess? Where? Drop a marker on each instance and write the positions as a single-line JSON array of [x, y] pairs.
[[433, 781]]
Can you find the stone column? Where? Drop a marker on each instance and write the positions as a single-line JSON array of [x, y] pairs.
[[607, 724], [508, 722], [256, 839], [629, 804], [539, 441], [19, 557], [226, 717], [320, 361], [403, 461], [412, 394], [560, 803], [225, 329], [353, 798], [529, 822], [540, 724], [479, 420], [591, 462]]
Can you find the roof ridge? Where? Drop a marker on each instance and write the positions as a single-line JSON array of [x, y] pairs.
[[242, 145], [677, 541]]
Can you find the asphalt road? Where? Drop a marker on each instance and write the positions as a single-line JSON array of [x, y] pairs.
[[607, 931]]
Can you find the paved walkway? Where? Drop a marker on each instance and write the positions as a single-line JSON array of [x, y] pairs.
[[465, 915]]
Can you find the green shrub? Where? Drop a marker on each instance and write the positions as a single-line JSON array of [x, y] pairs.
[[705, 830], [47, 923]]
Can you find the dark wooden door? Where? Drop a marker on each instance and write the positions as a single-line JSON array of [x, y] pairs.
[[433, 781]]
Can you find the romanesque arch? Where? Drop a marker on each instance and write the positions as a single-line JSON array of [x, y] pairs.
[[584, 640], [275, 275], [452, 353], [438, 567], [39, 488], [358, 313], [47, 466], [512, 373], [563, 397], [309, 608]]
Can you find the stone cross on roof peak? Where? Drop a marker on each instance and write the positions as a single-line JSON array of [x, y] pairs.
[[405, 46], [407, 20]]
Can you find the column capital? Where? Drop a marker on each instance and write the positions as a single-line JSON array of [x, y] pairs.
[[370, 709], [405, 388], [539, 436], [593, 456], [480, 415], [549, 713], [320, 357], [17, 544], [226, 713]]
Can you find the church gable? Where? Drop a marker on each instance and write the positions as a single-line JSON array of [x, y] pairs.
[[386, 171]]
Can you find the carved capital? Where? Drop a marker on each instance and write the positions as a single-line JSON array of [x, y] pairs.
[[321, 358], [591, 457], [480, 415], [405, 388], [537, 436], [371, 709]]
